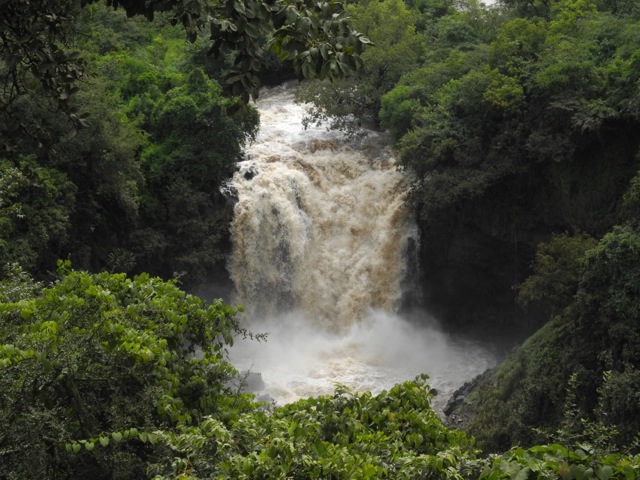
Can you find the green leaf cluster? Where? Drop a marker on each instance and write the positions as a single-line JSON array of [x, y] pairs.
[[35, 211], [35, 45], [396, 49], [557, 269], [540, 93], [358, 436], [137, 187], [392, 435], [95, 358]]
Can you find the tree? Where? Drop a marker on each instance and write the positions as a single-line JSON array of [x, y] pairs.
[[395, 434], [145, 169], [101, 160], [557, 269], [545, 115], [36, 205], [95, 359], [531, 8], [192, 137], [397, 49], [193, 145], [595, 338], [315, 38]]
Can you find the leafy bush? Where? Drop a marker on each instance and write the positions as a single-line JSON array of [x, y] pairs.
[[35, 210], [394, 435], [342, 436], [95, 357]]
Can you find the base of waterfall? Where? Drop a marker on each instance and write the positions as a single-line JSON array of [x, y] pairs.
[[299, 360]]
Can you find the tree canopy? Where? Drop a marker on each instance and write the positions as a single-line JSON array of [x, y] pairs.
[[37, 45], [91, 355], [137, 187]]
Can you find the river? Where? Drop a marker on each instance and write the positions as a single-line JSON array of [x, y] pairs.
[[323, 243]]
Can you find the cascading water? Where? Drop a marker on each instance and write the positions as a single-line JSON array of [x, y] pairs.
[[321, 236]]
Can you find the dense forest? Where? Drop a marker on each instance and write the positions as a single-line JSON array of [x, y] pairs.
[[119, 122]]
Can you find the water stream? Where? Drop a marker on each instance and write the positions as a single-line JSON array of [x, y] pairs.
[[322, 245]]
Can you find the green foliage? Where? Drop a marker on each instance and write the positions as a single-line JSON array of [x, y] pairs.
[[620, 400], [397, 109], [396, 49], [93, 356], [557, 461], [421, 87], [35, 210], [524, 392], [519, 123], [342, 436], [518, 45], [428, 11], [531, 8], [316, 38], [33, 56], [193, 144], [17, 285], [101, 161], [541, 94], [556, 272], [620, 7], [105, 376], [192, 136], [630, 208], [606, 303], [143, 173], [359, 436], [575, 430]]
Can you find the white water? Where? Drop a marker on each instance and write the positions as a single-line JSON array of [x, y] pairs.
[[321, 246]]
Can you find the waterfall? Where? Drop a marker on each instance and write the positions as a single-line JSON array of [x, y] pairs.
[[321, 224], [321, 242]]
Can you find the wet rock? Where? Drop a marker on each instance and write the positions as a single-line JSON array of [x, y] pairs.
[[251, 172], [454, 402], [229, 192], [266, 398], [459, 396]]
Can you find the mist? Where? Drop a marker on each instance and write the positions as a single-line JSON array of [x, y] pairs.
[[299, 359]]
